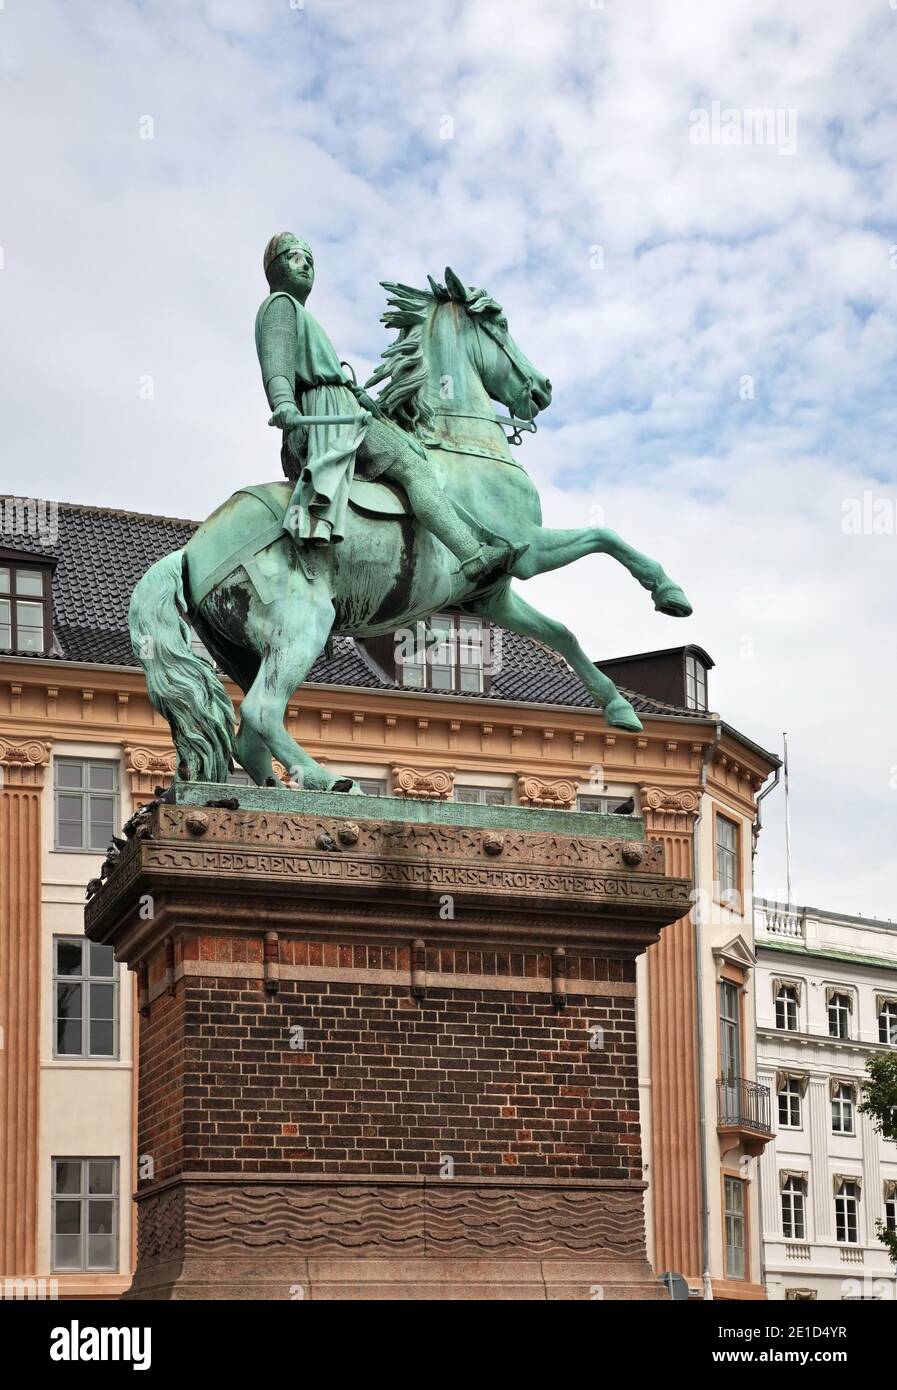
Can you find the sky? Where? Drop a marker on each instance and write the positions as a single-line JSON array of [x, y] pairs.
[[689, 213]]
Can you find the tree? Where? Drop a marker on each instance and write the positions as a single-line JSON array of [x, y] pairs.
[[880, 1101]]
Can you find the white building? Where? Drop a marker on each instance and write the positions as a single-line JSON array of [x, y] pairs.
[[826, 992]]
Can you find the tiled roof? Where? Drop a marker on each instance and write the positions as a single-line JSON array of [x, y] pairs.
[[101, 553]]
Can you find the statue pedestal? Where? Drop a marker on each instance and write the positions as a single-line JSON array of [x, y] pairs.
[[387, 1048]]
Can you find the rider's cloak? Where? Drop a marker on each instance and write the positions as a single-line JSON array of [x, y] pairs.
[[291, 343]]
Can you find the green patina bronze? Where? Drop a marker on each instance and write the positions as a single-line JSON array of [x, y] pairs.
[[392, 510], [406, 811]]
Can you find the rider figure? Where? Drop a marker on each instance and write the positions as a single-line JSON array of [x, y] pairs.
[[303, 377]]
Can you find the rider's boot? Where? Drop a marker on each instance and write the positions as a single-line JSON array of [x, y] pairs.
[[488, 560]]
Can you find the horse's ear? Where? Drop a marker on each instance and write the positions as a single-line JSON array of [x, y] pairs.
[[439, 292], [454, 286]]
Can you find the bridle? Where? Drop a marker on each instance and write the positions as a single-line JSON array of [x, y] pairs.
[[525, 395]]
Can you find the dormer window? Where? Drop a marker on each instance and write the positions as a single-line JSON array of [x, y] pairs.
[[695, 682], [447, 653], [25, 607]]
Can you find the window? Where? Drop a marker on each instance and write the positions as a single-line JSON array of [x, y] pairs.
[[484, 796], [85, 989], [85, 1213], [606, 805], [727, 875], [730, 1031], [891, 1212], [789, 1104], [887, 1023], [24, 608], [843, 1110], [372, 786], [695, 683], [735, 1228], [786, 1008], [86, 803], [448, 653], [839, 1016], [846, 1213], [793, 1209], [239, 778]]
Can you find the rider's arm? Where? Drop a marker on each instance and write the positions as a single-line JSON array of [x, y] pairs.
[[277, 352]]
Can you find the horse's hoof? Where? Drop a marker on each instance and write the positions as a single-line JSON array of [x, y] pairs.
[[619, 712], [669, 599]]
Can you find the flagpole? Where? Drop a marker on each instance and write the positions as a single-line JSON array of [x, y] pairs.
[[787, 819]]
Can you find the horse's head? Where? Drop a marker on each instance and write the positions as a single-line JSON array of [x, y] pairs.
[[506, 373], [453, 345]]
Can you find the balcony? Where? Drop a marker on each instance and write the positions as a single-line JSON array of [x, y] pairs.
[[743, 1115], [777, 919]]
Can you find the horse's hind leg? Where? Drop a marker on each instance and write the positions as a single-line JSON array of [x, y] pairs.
[[253, 753], [289, 633]]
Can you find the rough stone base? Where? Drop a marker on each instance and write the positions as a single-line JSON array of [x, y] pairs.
[[211, 1239]]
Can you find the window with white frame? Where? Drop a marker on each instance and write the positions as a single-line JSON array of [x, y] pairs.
[[794, 1192], [606, 804], [847, 1205], [890, 1210], [735, 1228], [85, 1213], [790, 1104], [372, 786], [727, 876], [843, 1109], [85, 991], [483, 796], [887, 1022], [446, 653], [839, 1015], [695, 683], [86, 794], [786, 1008]]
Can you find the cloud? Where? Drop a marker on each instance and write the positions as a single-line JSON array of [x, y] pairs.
[[508, 140]]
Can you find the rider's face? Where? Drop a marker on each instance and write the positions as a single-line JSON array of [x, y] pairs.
[[296, 270]]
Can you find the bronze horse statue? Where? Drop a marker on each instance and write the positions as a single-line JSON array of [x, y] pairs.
[[265, 612]]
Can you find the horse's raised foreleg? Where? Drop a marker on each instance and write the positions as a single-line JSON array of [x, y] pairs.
[[513, 612], [289, 634], [552, 550]]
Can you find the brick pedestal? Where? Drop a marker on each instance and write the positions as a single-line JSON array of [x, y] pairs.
[[386, 1051]]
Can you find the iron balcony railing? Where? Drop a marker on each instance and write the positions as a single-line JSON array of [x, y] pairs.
[[745, 1104]]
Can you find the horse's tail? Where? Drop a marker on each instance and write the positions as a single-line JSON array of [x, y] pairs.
[[180, 685]]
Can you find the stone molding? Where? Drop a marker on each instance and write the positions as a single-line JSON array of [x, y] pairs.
[[23, 764], [559, 794], [670, 809], [148, 767], [422, 784]]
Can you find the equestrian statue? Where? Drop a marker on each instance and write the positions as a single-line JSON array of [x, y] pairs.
[[392, 509]]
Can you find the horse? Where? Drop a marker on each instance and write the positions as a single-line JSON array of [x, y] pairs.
[[265, 611]]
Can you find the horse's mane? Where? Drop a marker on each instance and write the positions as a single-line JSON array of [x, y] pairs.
[[404, 368]]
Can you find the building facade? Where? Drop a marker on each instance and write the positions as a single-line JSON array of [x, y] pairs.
[[826, 1002], [470, 713]]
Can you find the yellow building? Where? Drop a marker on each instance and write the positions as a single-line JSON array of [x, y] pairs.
[[485, 716]]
